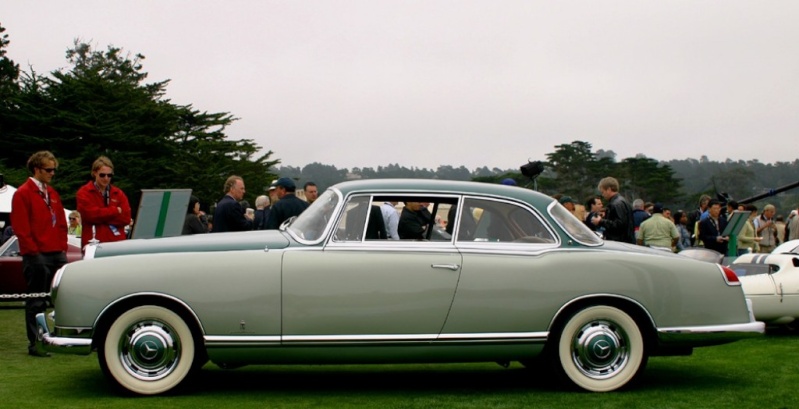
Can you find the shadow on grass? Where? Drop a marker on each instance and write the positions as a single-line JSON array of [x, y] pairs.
[[434, 379]]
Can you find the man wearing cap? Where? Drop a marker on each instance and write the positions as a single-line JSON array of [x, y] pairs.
[[658, 231], [568, 203], [229, 215], [288, 205]]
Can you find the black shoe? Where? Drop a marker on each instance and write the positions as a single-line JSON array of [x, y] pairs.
[[34, 352]]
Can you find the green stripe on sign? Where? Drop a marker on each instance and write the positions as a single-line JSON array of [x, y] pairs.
[[159, 228]]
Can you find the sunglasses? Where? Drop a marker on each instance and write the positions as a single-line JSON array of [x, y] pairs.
[[48, 170], [73, 218], [105, 175]]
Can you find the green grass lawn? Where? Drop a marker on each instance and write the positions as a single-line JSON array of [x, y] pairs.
[[758, 373]]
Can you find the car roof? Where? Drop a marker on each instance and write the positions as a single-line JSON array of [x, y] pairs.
[[435, 186]]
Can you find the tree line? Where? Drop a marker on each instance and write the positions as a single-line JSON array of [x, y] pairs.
[[574, 169]]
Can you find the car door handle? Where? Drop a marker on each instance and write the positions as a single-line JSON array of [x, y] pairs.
[[453, 267]]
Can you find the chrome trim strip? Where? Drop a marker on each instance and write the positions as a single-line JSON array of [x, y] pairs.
[[360, 337], [497, 335], [241, 340], [231, 340]]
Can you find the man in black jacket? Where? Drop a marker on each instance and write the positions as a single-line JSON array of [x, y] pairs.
[[288, 206], [710, 229], [618, 220], [229, 215]]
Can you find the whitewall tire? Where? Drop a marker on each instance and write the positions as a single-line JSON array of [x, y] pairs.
[[600, 349], [148, 350]]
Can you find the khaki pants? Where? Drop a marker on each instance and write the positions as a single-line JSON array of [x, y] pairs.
[[766, 249]]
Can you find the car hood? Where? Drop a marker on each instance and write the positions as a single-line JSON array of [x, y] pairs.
[[251, 240]]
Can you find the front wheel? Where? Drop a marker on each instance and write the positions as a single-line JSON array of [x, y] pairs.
[[147, 350], [600, 349]]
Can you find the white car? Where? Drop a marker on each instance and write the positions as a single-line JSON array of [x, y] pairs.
[[771, 282], [791, 246]]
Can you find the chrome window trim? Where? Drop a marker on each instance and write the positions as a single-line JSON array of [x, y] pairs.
[[383, 244], [566, 231], [323, 237], [498, 245]]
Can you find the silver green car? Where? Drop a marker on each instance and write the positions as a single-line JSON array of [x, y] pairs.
[[499, 274]]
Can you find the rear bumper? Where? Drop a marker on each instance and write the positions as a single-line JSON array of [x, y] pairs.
[[45, 342], [710, 335]]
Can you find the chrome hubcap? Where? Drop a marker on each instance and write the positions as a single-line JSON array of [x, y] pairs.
[[149, 350], [600, 349]]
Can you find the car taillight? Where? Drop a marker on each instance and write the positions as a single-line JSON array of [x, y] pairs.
[[729, 276]]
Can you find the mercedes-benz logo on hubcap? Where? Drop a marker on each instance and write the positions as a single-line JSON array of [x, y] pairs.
[[148, 350], [602, 349]]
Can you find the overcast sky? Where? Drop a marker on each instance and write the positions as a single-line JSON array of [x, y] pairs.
[[428, 83]]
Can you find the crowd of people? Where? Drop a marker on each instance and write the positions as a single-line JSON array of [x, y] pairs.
[[654, 225]]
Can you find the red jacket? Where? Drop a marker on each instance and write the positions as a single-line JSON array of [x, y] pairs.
[[32, 220], [94, 212]]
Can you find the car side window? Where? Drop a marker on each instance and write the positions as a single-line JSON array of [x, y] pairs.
[[351, 224], [493, 221], [363, 219]]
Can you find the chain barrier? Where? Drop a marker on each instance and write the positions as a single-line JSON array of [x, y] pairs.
[[23, 296]]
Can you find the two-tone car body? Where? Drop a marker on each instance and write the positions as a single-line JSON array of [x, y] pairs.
[[513, 276]]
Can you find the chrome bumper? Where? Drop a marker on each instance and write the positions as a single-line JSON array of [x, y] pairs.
[[710, 335], [48, 343]]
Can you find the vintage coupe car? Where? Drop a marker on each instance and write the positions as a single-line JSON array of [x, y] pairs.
[[771, 282], [12, 281], [513, 277]]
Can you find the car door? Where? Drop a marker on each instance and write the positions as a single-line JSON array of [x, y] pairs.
[[503, 292], [359, 289], [786, 281]]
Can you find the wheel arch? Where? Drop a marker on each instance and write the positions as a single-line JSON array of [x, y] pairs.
[[630, 306], [116, 308]]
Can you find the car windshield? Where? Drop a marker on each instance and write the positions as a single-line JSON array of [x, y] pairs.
[[573, 226], [310, 225]]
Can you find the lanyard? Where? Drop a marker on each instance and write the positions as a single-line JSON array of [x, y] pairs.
[[46, 197]]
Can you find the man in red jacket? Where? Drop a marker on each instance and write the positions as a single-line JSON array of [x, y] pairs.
[[37, 215], [104, 208]]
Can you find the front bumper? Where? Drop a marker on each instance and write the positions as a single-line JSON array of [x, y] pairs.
[[45, 342]]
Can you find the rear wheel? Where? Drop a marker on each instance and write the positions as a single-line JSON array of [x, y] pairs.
[[599, 349], [148, 350]]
